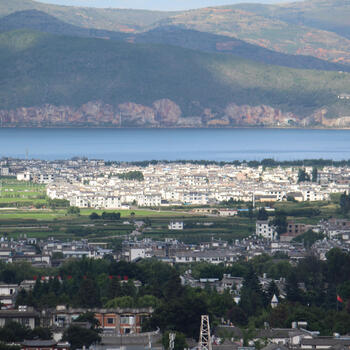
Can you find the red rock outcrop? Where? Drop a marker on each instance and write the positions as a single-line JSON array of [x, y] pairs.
[[163, 113], [167, 112], [259, 115], [136, 114]]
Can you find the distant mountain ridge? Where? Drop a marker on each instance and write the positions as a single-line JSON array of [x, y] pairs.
[[167, 35], [318, 28]]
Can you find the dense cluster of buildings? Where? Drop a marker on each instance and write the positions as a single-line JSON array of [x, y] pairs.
[[96, 184]]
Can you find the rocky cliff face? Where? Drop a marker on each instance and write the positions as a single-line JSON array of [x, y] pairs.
[[162, 113]]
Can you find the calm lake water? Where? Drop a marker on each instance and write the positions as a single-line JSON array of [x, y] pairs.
[[174, 144]]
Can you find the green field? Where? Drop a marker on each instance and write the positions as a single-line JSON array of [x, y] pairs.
[[15, 193]]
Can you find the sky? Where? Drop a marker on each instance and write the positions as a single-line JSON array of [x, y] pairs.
[[163, 5]]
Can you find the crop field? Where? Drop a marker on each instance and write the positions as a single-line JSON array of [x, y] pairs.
[[15, 193]]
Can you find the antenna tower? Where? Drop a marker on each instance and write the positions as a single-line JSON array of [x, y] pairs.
[[204, 337]]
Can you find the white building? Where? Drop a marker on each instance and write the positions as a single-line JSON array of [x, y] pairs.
[[176, 225], [265, 230]]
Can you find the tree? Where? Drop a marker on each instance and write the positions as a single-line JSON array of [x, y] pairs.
[[308, 238], [253, 298], [294, 293], [280, 222], [272, 290], [148, 301], [88, 317], [79, 337], [250, 211], [262, 214], [344, 203], [73, 211], [237, 316], [125, 301], [314, 174], [114, 289], [94, 216], [14, 332], [303, 176], [88, 295]]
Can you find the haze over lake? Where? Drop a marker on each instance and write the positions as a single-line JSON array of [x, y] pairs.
[[175, 144]]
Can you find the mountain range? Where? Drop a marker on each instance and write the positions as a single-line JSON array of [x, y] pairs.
[[246, 64]]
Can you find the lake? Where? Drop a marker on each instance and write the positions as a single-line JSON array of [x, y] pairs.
[[175, 144]]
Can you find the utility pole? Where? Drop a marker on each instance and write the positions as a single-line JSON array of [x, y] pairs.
[[172, 340], [204, 337]]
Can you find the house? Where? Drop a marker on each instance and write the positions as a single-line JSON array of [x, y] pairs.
[[176, 225], [215, 256], [228, 212], [26, 316], [290, 337], [325, 342], [265, 229], [293, 230], [8, 293], [116, 320], [137, 253]]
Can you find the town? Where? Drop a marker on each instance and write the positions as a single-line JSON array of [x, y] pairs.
[[96, 184], [97, 272]]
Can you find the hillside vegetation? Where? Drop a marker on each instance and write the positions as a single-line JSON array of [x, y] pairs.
[[40, 68], [322, 14], [267, 31]]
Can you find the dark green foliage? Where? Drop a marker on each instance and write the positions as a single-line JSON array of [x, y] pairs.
[[308, 238], [57, 203], [182, 314], [237, 316], [79, 337], [15, 332], [88, 294], [272, 290], [294, 293], [114, 289], [314, 174], [131, 175], [280, 222], [262, 214], [73, 211], [303, 176], [88, 317], [344, 203], [9, 347], [179, 343], [94, 216], [253, 299], [15, 273], [110, 216]]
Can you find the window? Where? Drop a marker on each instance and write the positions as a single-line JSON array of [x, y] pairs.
[[110, 320]]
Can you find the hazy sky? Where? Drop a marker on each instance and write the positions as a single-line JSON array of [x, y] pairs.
[[164, 5]]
